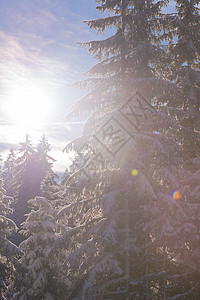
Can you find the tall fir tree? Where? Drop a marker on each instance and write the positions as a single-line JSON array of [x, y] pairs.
[[31, 168], [44, 160], [8, 251], [9, 175], [185, 72], [129, 161], [26, 179], [45, 278], [49, 185], [184, 56]]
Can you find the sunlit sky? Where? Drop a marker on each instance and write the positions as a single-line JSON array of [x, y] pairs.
[[39, 59]]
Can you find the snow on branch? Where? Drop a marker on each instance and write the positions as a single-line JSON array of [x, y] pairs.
[[108, 264], [180, 296], [63, 240], [67, 209]]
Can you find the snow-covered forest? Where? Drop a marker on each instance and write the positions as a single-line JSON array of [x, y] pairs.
[[124, 220]]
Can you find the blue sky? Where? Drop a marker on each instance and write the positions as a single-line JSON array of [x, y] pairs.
[[38, 46], [39, 57]]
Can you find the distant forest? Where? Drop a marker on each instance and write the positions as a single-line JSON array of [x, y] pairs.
[[124, 220]]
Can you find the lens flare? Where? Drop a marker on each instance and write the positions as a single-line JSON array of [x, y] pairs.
[[134, 172], [176, 195]]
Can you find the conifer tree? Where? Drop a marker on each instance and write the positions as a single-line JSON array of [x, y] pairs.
[[184, 71], [49, 185], [184, 52], [9, 175], [45, 278], [122, 188], [52, 190], [31, 168], [8, 251], [43, 159], [26, 178]]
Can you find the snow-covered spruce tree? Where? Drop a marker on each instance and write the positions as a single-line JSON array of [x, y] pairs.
[[182, 30], [44, 277], [129, 161], [31, 167], [44, 161], [8, 251], [25, 177], [52, 190], [9, 175], [185, 72], [49, 185]]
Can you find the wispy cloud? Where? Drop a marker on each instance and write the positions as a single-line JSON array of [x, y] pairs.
[[38, 42]]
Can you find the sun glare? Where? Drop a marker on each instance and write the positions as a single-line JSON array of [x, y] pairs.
[[28, 106]]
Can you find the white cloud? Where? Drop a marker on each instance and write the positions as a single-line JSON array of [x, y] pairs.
[[38, 42]]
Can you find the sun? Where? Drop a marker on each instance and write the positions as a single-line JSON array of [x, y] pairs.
[[28, 106]]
